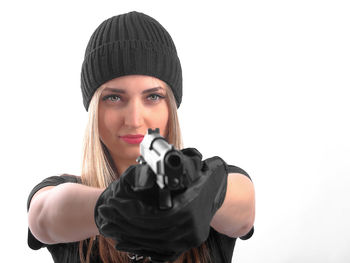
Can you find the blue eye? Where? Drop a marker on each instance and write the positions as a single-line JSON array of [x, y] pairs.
[[155, 97], [111, 98]]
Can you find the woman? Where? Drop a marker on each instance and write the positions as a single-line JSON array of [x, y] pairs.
[[131, 81]]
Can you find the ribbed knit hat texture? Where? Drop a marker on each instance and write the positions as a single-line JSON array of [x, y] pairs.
[[128, 44]]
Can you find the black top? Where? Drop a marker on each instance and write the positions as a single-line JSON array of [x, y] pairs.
[[220, 246]]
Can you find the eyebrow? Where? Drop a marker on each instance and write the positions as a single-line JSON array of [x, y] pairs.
[[143, 92]]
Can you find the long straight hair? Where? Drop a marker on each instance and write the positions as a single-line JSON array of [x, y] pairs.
[[98, 170]]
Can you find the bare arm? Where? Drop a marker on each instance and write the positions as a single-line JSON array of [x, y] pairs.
[[63, 213], [235, 218]]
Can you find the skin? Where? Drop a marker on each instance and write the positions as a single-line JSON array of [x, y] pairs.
[[131, 112]]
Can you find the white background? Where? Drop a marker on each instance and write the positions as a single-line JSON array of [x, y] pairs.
[[266, 87]]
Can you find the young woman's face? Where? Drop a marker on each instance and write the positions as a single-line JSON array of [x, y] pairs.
[[129, 105]]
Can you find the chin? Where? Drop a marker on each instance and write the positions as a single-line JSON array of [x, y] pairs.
[[132, 154]]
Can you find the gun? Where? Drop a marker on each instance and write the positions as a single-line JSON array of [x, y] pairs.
[[166, 162]]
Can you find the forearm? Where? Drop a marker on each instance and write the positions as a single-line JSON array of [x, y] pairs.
[[67, 213], [236, 215]]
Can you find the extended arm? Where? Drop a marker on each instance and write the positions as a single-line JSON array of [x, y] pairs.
[[236, 216], [63, 213]]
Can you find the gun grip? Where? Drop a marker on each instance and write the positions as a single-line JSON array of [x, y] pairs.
[[165, 201]]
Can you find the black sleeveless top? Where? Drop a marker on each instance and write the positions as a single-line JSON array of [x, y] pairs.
[[220, 246]]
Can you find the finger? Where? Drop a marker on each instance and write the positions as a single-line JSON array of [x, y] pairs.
[[139, 177], [128, 176], [192, 152], [192, 169], [216, 162], [193, 163], [144, 178]]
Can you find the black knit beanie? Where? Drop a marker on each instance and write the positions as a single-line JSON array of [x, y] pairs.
[[128, 44]]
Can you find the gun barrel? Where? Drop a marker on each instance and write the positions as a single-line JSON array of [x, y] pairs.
[[161, 146], [166, 162]]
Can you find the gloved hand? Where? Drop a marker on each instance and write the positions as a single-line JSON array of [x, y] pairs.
[[128, 212]]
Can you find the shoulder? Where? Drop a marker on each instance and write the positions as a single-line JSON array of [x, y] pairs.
[[71, 178], [53, 181], [236, 169], [46, 183], [59, 179]]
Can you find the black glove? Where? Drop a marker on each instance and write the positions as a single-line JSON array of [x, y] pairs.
[[128, 212]]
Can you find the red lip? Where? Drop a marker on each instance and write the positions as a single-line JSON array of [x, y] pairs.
[[132, 138]]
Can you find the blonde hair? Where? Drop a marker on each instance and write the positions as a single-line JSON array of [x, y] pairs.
[[98, 170]]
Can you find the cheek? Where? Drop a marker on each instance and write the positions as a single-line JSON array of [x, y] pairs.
[[107, 124], [163, 119]]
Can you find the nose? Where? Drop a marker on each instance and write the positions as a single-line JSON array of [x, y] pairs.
[[133, 117]]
